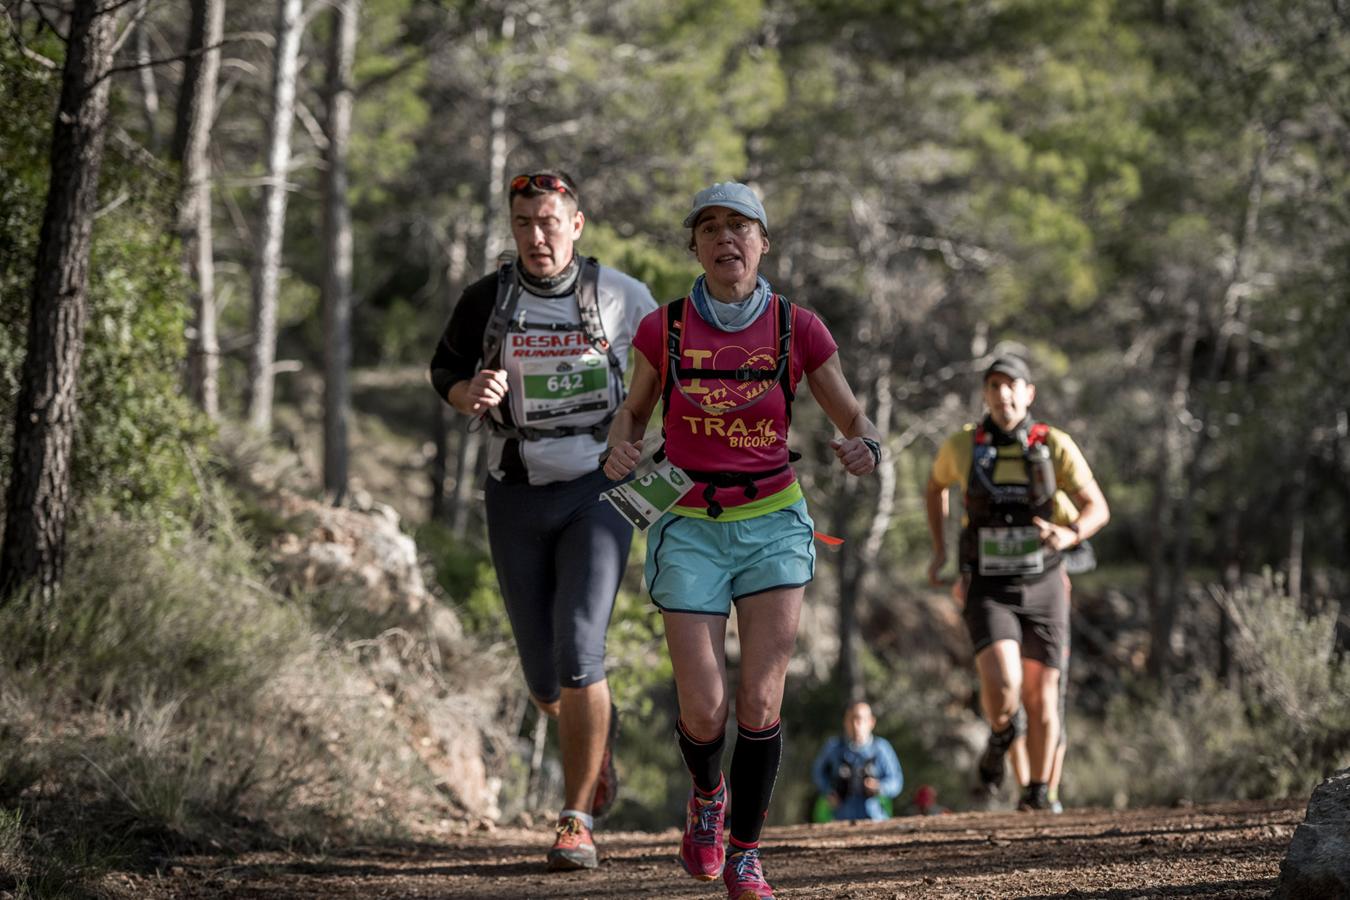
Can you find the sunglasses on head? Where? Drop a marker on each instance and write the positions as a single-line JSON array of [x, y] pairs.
[[543, 181]]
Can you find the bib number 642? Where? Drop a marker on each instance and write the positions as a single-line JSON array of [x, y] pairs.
[[557, 383]]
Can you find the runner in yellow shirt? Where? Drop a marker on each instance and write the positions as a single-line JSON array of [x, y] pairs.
[[1016, 608]]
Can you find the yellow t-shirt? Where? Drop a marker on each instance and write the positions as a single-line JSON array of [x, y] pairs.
[[951, 466], [1065, 512]]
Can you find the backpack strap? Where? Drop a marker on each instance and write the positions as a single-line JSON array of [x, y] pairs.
[[787, 321], [673, 369], [672, 326], [502, 309], [588, 305]]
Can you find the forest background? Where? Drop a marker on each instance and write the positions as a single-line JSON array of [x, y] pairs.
[[1148, 198]]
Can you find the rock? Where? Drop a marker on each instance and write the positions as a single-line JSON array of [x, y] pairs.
[[365, 554], [1317, 865]]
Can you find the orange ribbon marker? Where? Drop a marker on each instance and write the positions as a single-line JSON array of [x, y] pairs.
[[828, 539]]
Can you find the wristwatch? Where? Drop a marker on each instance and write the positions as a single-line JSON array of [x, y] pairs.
[[875, 447]]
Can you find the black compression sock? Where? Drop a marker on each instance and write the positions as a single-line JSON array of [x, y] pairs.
[[703, 758], [754, 768], [1000, 741]]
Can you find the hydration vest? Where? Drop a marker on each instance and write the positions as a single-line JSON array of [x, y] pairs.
[[993, 505], [673, 369], [504, 320]]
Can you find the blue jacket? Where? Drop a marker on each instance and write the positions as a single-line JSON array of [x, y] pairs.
[[840, 769]]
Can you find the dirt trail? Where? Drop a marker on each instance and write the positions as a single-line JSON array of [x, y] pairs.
[[1230, 851]]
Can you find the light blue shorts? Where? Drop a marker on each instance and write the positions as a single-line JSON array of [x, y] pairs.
[[703, 565]]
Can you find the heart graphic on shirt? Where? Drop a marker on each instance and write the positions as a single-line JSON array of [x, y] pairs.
[[726, 394]]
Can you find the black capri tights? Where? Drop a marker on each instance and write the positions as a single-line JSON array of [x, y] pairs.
[[559, 551]]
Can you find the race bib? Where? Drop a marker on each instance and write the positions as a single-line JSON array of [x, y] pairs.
[[655, 488], [564, 387], [1011, 551]]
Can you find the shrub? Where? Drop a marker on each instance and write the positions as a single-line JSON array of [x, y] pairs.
[[1275, 732]]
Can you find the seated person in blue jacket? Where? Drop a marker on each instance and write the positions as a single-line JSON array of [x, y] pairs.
[[858, 774]]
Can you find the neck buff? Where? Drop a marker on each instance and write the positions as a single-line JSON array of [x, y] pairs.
[[1017, 436], [556, 286], [730, 316]]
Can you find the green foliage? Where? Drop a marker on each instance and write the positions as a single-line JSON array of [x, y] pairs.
[[667, 268], [166, 699], [464, 571], [146, 623], [27, 95], [1275, 733], [135, 429]]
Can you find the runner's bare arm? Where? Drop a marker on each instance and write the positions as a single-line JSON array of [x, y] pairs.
[[831, 390], [1093, 514], [630, 421], [935, 504]]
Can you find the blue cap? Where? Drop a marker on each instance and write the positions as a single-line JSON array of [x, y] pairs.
[[731, 194]]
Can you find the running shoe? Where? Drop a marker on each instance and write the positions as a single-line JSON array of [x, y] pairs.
[[1035, 798], [701, 850], [992, 768], [1056, 807], [607, 787], [574, 848], [744, 877]]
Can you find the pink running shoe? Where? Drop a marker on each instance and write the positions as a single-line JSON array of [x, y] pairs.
[[701, 850], [744, 877]]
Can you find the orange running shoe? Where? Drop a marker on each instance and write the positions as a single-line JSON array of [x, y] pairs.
[[574, 848]]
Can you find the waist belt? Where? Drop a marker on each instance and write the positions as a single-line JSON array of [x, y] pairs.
[[744, 480], [599, 431]]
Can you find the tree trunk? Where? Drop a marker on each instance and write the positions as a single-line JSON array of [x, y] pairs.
[[1161, 601], [267, 266], [191, 141], [466, 475], [149, 90], [846, 562], [471, 441], [1298, 502], [337, 282], [494, 205], [443, 416], [39, 488], [1230, 315]]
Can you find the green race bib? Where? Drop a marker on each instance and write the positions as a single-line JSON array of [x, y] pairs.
[[1011, 551]]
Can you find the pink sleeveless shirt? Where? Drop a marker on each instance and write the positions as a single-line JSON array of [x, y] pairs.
[[709, 434]]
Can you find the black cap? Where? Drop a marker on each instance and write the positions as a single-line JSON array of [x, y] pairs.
[[1012, 366]]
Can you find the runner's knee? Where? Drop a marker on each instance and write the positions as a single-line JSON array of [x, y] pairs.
[[704, 725]]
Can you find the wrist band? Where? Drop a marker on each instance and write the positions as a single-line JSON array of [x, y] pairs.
[[875, 447], [604, 456]]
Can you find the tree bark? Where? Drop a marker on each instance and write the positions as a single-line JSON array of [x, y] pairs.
[[466, 472], [39, 490], [267, 266], [191, 143], [1161, 601], [149, 89], [337, 282], [495, 188], [443, 416]]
